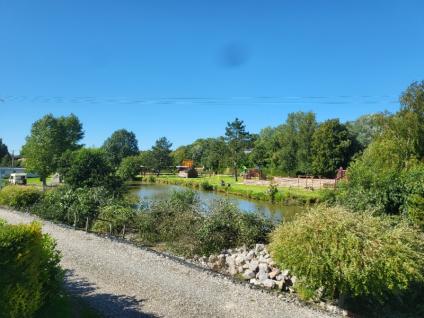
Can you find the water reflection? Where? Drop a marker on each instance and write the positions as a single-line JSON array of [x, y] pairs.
[[274, 212]]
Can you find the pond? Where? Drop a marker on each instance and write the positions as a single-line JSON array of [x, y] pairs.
[[269, 210]]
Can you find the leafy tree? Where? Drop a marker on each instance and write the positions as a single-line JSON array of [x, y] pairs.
[[129, 168], [147, 160], [180, 154], [367, 127], [238, 139], [88, 168], [120, 144], [161, 153], [214, 155], [50, 137], [4, 152], [332, 147], [387, 178]]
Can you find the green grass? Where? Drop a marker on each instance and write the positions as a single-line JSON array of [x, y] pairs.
[[66, 306], [37, 181], [285, 195]]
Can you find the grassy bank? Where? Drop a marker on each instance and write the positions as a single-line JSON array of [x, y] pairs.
[[285, 195]]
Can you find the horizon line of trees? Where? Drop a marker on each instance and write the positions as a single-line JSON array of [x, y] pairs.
[[299, 146]]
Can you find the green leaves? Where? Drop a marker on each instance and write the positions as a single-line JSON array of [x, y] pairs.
[[50, 137], [122, 143], [350, 254]]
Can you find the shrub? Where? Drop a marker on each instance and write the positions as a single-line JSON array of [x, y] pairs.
[[226, 226], [172, 221], [19, 197], [117, 214], [30, 272], [206, 186], [350, 254], [151, 179], [129, 168], [72, 206], [192, 173]]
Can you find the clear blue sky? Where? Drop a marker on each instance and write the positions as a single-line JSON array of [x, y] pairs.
[[182, 69]]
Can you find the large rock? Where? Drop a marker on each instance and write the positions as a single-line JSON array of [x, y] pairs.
[[274, 273], [254, 265], [239, 260], [262, 276], [229, 260], [268, 283], [263, 267], [250, 255], [248, 274], [232, 270]]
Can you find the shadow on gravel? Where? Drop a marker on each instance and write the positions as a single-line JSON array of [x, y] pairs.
[[109, 305]]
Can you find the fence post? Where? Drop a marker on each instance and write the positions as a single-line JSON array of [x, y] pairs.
[[86, 225], [110, 228], [123, 232], [75, 221]]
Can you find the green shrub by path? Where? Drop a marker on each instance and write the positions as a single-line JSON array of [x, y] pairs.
[[188, 227], [72, 206], [19, 197], [115, 215], [30, 274], [225, 226], [350, 254], [173, 222]]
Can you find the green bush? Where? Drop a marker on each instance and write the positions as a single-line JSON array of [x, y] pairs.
[[30, 274], [173, 221], [19, 197], [152, 179], [225, 226], [72, 206], [129, 168], [350, 254], [206, 186], [117, 214]]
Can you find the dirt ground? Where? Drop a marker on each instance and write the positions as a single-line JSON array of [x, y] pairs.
[[300, 182]]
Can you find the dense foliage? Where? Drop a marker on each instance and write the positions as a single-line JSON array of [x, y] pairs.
[[50, 137], [19, 197], [188, 227], [72, 206], [89, 167], [332, 147], [122, 143], [30, 274], [388, 178], [130, 167], [337, 253], [161, 155]]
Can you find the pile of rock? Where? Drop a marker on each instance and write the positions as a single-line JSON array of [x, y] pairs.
[[254, 265]]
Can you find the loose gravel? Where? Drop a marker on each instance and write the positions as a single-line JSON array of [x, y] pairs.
[[122, 280]]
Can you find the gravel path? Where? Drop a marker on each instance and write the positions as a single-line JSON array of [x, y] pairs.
[[121, 280]]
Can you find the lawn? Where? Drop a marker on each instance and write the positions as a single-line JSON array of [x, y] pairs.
[[258, 192], [37, 181]]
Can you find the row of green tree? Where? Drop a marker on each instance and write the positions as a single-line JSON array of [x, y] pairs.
[[301, 145]]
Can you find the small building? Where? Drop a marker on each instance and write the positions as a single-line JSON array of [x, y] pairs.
[[187, 170], [18, 178], [5, 172]]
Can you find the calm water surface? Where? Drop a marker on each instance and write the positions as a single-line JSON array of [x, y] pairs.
[[272, 211]]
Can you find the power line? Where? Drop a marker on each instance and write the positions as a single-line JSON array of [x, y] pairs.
[[267, 100]]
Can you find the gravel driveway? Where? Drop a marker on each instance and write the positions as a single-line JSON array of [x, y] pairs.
[[121, 280]]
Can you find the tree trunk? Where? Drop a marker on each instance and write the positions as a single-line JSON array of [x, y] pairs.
[[44, 181], [235, 173]]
